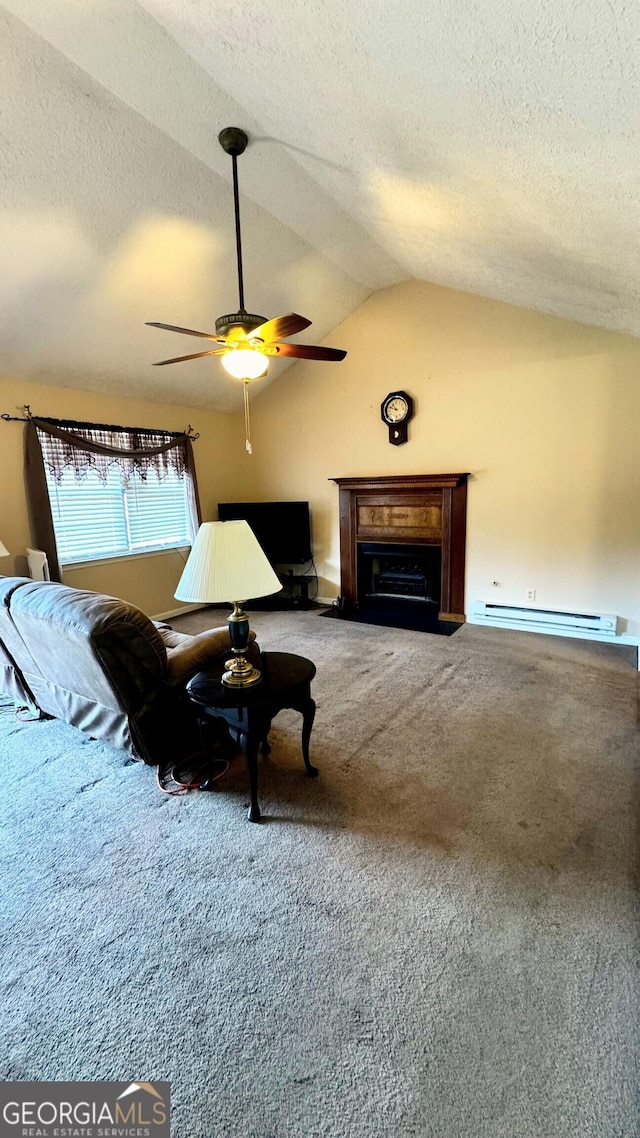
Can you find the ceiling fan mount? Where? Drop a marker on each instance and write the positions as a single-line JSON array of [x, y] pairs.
[[233, 140]]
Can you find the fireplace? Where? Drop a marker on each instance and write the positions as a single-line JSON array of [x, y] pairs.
[[400, 574], [402, 545]]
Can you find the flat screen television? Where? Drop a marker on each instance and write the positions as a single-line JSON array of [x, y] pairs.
[[282, 528]]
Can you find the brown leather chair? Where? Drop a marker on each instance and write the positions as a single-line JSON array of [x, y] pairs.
[[102, 665], [12, 681]]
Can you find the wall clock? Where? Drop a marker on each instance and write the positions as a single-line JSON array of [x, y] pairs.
[[396, 410]]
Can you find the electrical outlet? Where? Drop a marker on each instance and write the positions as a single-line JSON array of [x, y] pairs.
[[531, 594]]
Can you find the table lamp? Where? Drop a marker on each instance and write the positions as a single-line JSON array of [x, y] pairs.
[[226, 562], [4, 552]]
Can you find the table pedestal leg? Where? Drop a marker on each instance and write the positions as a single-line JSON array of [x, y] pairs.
[[252, 765], [308, 715]]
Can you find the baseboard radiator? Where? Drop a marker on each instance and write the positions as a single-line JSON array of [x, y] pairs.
[[549, 619]]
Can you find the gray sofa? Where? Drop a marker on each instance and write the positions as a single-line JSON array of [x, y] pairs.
[[103, 666]]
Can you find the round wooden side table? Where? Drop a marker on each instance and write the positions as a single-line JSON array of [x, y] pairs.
[[286, 682]]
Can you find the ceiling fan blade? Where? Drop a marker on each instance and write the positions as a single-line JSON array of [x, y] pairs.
[[195, 356], [305, 352], [187, 331], [280, 327]]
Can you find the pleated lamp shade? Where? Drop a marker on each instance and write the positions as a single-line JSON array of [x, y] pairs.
[[4, 552], [226, 563]]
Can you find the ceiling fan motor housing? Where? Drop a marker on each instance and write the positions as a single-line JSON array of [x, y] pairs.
[[238, 323]]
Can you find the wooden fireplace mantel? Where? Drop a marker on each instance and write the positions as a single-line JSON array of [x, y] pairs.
[[402, 480], [406, 509]]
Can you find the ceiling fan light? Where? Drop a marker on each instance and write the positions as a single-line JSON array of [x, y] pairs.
[[245, 363]]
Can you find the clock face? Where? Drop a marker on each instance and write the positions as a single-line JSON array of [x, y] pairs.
[[395, 410]]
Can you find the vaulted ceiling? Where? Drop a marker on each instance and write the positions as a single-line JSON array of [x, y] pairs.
[[491, 147]]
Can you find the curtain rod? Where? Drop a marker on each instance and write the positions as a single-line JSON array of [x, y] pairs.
[[193, 435]]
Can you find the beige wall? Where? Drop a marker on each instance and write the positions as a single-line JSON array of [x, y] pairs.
[[543, 413], [146, 581]]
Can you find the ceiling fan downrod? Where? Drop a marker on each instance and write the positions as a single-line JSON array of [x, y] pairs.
[[234, 141]]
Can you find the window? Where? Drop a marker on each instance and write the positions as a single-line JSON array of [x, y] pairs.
[[124, 515]]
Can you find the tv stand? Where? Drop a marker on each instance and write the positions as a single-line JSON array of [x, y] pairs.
[[294, 596], [296, 589]]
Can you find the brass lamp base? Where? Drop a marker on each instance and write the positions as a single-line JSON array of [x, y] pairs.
[[240, 673]]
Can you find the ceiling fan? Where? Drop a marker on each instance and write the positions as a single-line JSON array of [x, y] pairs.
[[246, 341]]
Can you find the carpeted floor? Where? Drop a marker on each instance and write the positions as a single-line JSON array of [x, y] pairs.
[[436, 938]]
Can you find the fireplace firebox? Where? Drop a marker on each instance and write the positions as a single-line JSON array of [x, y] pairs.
[[394, 572], [402, 544]]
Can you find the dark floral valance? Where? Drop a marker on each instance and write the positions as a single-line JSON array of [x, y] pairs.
[[56, 445], [81, 447]]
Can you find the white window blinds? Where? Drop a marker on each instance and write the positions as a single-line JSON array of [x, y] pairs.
[[94, 519]]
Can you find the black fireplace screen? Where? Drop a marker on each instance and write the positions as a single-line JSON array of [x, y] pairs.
[[399, 573]]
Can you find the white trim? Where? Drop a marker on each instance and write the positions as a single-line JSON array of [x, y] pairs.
[[178, 612], [126, 557], [573, 633]]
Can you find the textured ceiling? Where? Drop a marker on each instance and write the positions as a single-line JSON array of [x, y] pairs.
[[486, 146]]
